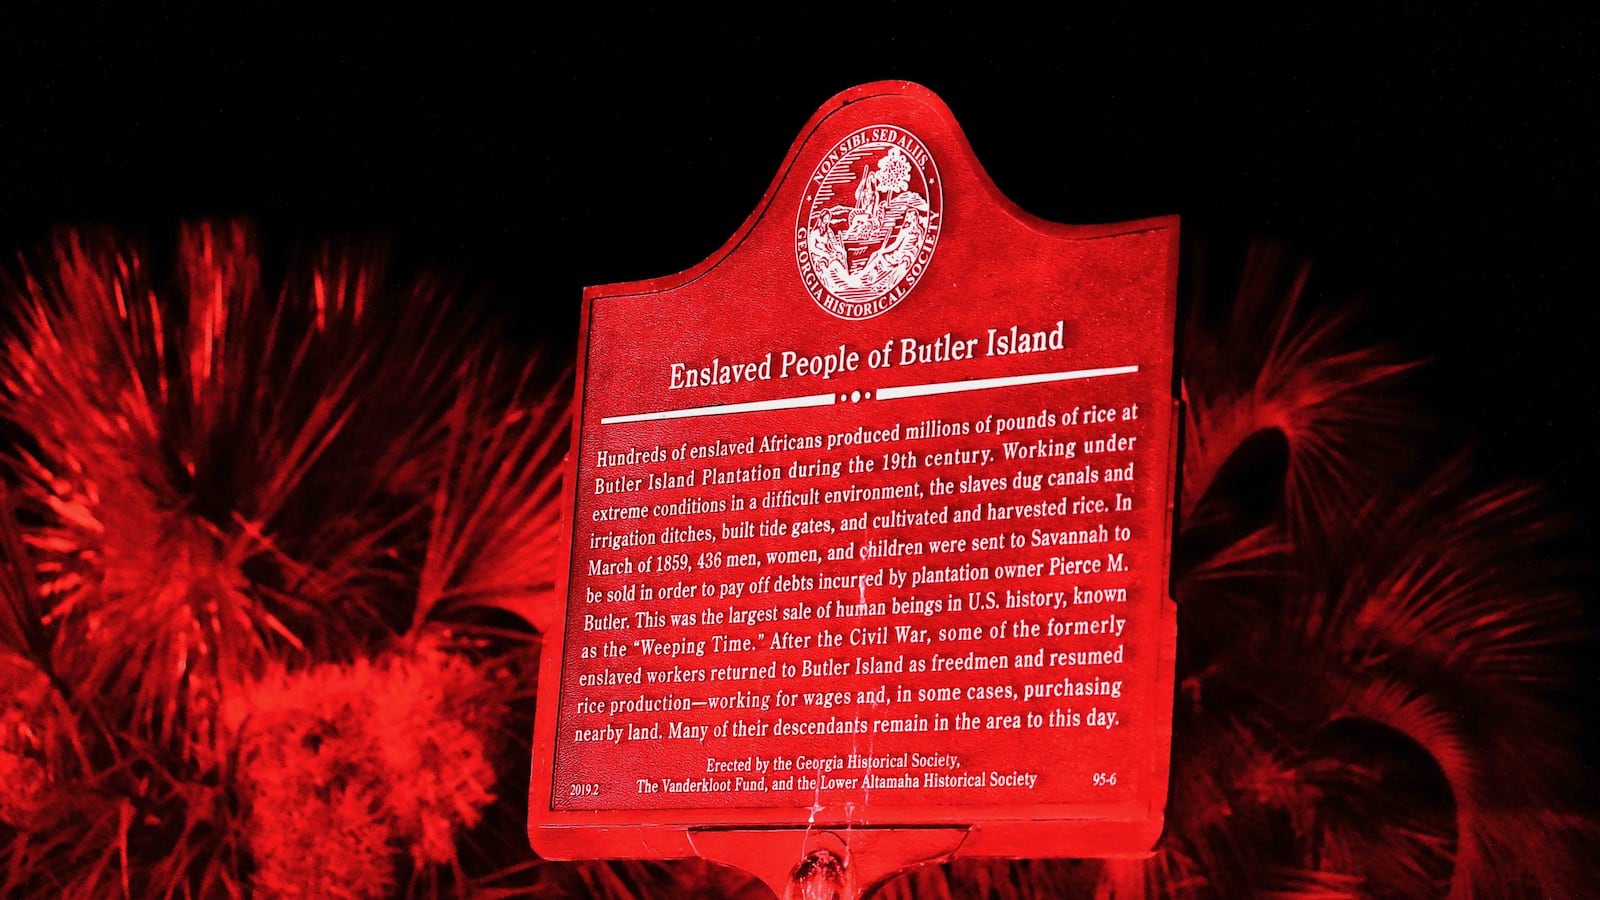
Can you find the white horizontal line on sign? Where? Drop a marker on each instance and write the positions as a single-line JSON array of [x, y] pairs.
[[725, 409], [888, 393], [984, 384]]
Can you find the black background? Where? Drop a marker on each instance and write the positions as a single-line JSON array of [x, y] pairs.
[[1440, 167]]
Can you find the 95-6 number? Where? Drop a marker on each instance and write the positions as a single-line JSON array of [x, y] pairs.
[[1105, 779]]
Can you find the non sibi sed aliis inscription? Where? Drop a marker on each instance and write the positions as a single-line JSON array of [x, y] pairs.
[[869, 521]]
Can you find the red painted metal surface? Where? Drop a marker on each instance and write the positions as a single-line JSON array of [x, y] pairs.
[[870, 517]]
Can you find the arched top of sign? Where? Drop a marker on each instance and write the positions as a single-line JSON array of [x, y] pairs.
[[921, 120]]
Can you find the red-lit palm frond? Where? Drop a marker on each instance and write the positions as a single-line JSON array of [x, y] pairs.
[[1450, 631], [1367, 661], [222, 490], [213, 476], [86, 808], [494, 541], [1396, 728], [1268, 371]]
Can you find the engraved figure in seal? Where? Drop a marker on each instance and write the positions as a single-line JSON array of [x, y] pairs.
[[868, 222]]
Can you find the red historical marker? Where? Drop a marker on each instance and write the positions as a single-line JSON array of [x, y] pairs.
[[870, 524]]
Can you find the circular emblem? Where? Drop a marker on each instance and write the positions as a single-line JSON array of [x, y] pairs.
[[868, 222]]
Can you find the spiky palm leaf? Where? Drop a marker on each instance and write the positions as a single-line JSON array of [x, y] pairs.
[[222, 490], [189, 453], [1368, 711], [496, 509], [1267, 370]]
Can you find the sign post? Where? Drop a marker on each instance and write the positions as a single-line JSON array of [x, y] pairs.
[[870, 518]]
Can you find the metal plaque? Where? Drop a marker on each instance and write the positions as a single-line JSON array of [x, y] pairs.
[[870, 517]]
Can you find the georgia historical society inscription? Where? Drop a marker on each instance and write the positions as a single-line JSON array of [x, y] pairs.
[[871, 513]]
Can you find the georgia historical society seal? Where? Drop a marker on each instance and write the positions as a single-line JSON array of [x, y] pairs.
[[868, 222]]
